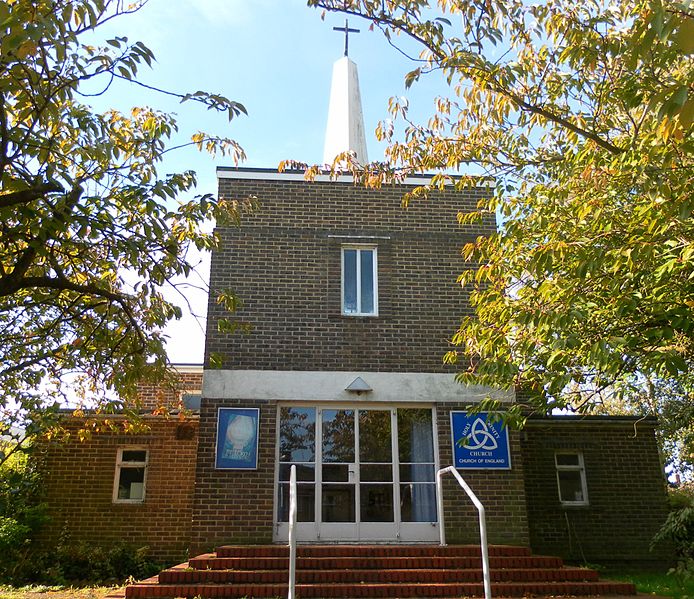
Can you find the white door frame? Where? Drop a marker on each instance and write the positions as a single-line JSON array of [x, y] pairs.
[[390, 532]]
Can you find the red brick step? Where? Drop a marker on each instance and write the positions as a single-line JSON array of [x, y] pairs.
[[507, 589], [378, 571], [210, 561], [182, 575], [370, 551]]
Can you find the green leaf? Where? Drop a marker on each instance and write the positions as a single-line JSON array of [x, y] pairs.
[[82, 204]]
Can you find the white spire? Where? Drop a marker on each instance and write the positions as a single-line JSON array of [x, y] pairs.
[[345, 130]]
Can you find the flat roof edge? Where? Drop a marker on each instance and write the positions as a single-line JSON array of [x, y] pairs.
[[271, 174], [172, 416], [188, 367], [591, 419]]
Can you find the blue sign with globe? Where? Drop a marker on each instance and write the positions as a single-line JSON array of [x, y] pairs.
[[479, 443], [237, 439]]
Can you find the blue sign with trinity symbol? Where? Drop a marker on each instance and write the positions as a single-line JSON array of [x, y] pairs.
[[478, 443]]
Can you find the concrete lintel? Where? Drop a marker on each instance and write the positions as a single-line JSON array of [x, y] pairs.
[[294, 385]]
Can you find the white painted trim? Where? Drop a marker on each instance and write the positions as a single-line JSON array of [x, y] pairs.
[[120, 465], [359, 237], [299, 385], [316, 530], [188, 368], [294, 176], [276, 475], [580, 468], [374, 263], [273, 175], [437, 456]]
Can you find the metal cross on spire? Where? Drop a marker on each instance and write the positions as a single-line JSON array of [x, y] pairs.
[[347, 31]]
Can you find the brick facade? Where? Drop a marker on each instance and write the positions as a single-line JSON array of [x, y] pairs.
[[284, 263], [501, 492], [153, 397], [78, 478], [232, 506], [626, 489], [78, 483], [237, 507]]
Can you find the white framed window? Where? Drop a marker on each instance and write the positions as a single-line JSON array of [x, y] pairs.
[[131, 475], [359, 280], [571, 478]]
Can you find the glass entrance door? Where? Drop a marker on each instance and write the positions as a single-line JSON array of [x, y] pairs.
[[364, 474], [417, 466], [376, 476], [337, 489], [356, 474]]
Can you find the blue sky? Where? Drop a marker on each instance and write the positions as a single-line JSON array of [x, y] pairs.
[[273, 56]]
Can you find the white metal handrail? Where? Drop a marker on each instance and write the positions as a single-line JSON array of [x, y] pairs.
[[292, 533], [483, 524]]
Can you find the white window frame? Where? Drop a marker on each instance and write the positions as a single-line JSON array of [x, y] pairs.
[[580, 468], [359, 248], [120, 465]]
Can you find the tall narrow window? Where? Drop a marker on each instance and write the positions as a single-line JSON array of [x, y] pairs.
[[131, 470], [359, 281], [571, 478]]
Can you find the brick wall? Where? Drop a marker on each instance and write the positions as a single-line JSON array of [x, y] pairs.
[[154, 396], [233, 506], [626, 489], [78, 479], [284, 263], [237, 506], [501, 492]]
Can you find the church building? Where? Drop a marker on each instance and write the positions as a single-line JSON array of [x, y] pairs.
[[349, 301]]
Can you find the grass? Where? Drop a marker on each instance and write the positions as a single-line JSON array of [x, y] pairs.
[[55, 592], [653, 583]]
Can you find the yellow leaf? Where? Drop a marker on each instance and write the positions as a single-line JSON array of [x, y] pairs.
[[687, 113], [685, 36], [25, 49]]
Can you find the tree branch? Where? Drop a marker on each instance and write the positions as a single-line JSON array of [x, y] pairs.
[[15, 280], [24, 196]]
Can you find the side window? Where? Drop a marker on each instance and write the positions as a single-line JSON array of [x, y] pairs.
[[191, 400], [571, 478], [131, 474], [359, 281]]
